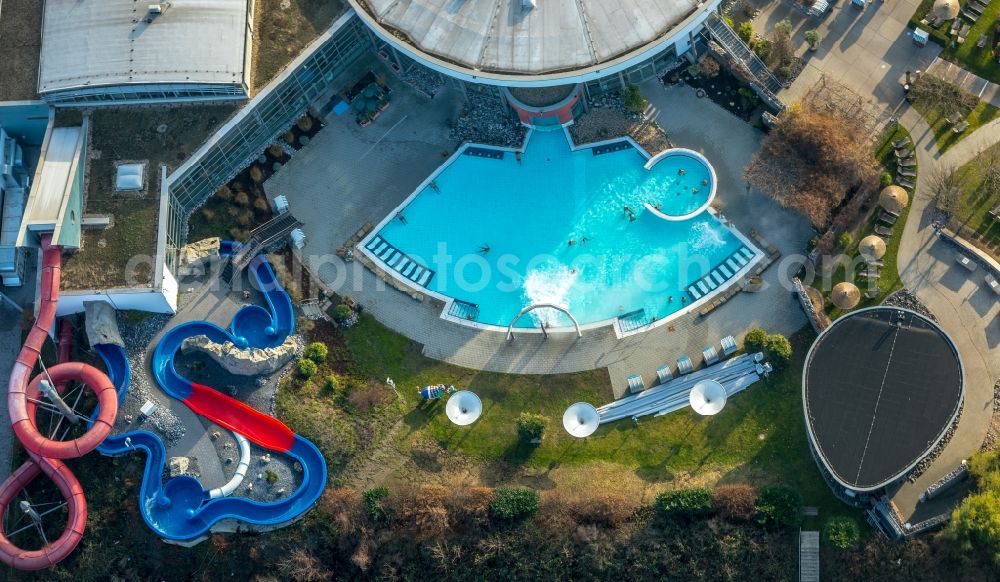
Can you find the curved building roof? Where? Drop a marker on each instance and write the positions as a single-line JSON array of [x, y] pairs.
[[880, 388], [483, 38]]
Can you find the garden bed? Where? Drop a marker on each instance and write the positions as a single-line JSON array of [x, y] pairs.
[[725, 89], [241, 205], [608, 118]]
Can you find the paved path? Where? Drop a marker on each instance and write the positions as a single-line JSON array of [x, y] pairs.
[[334, 190], [966, 309]]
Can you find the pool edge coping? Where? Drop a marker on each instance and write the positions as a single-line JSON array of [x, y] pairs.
[[613, 322]]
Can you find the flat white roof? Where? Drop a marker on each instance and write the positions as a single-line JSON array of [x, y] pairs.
[[53, 183], [505, 36], [88, 43]]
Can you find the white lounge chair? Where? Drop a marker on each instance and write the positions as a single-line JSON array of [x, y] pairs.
[[635, 383], [684, 365], [992, 283], [729, 346], [711, 356], [966, 262], [663, 373]]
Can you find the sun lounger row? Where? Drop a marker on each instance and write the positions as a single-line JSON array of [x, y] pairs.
[[398, 261], [684, 364], [902, 181], [722, 272], [735, 374]]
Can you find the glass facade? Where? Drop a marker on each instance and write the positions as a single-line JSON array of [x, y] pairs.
[[259, 123], [152, 93]]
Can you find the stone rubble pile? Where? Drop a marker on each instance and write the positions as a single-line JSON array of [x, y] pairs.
[[423, 80], [489, 121], [907, 300]]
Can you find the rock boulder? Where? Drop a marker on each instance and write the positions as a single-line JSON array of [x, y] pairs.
[[101, 323], [249, 362], [193, 254]]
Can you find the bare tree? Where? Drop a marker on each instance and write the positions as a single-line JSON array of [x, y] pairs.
[[990, 183], [946, 187], [934, 93]]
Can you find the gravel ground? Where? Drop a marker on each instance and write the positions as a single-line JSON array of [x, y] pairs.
[[907, 300], [163, 422], [992, 439], [489, 121]]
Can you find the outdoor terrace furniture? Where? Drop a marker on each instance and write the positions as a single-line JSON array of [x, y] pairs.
[[981, 42], [711, 356], [876, 263], [955, 25], [963, 34], [995, 212], [902, 143], [883, 231], [954, 118], [904, 182], [684, 365], [906, 162], [960, 127], [635, 383], [903, 153], [872, 293], [663, 373], [992, 283], [729, 345], [966, 262], [887, 218], [904, 171]]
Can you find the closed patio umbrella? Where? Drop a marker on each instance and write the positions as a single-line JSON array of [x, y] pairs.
[[872, 247], [893, 198], [946, 9], [845, 295]]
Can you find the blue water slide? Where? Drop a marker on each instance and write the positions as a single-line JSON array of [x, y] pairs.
[[181, 508]]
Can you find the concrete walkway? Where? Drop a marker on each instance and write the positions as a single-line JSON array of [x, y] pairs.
[[869, 50]]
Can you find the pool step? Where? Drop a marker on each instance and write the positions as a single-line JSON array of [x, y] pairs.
[[611, 147], [722, 273], [464, 310], [397, 260], [484, 153]]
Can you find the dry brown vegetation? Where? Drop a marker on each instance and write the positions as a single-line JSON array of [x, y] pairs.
[[282, 28], [735, 502], [814, 162], [20, 45]]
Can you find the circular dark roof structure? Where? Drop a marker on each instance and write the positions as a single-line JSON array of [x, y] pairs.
[[880, 388]]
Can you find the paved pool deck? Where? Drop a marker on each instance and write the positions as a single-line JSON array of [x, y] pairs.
[[348, 176]]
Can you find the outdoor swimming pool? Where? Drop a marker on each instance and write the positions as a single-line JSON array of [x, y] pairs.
[[570, 228]]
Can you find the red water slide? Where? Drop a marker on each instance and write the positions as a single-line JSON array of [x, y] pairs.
[[44, 453]]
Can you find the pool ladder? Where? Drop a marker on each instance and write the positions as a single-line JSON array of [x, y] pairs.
[[398, 261], [722, 272]]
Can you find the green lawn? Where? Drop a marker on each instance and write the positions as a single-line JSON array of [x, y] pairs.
[[968, 55], [975, 206], [759, 438], [944, 137], [889, 280]]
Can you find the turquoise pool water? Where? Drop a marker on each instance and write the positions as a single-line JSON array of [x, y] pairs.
[[552, 228]]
